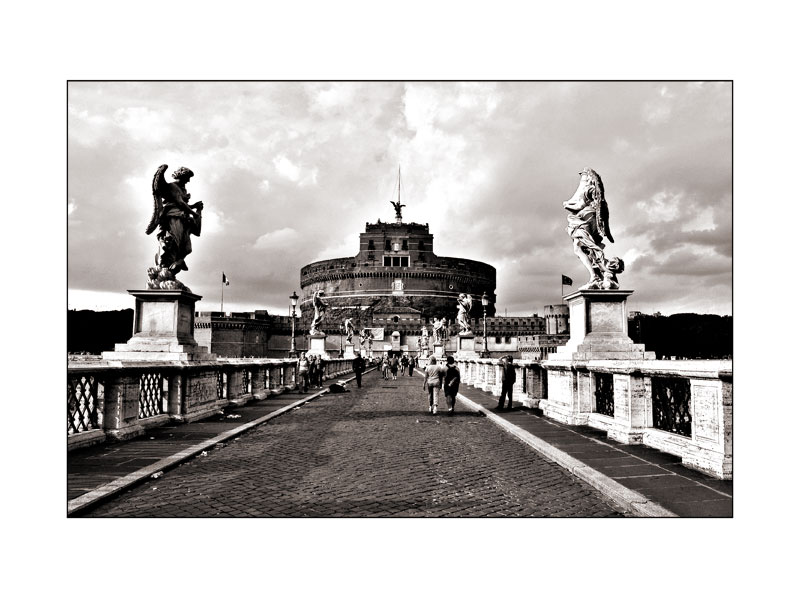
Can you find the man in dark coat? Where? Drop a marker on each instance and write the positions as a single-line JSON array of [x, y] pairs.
[[452, 379], [358, 368], [508, 377]]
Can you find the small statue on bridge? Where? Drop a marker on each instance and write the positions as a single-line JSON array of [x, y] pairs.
[[587, 224], [349, 329], [319, 312], [176, 220], [464, 307], [439, 330]]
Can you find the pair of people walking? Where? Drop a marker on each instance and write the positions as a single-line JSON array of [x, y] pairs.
[[311, 370], [440, 378]]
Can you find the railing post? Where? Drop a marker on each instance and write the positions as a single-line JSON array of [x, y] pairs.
[[631, 399], [176, 404]]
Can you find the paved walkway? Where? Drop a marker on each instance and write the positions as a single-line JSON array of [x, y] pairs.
[[377, 452], [617, 469]]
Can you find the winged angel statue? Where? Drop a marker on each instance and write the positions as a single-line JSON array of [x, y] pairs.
[[319, 312], [587, 224], [176, 220]]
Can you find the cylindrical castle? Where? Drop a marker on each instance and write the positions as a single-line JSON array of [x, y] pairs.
[[395, 268]]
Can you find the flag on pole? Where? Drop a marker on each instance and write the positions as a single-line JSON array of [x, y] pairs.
[[227, 282], [566, 280]]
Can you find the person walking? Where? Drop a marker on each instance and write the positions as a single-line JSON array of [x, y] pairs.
[[394, 365], [432, 382], [508, 376], [452, 380], [411, 363], [312, 370], [385, 368], [403, 364], [302, 370], [358, 368], [321, 365]]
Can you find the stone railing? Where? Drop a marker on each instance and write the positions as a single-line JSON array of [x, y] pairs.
[[684, 408], [118, 402]]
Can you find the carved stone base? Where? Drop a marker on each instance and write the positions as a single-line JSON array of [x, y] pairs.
[[349, 351], [466, 346], [163, 329], [599, 328], [316, 346]]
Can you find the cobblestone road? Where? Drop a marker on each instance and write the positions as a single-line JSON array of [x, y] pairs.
[[372, 452]]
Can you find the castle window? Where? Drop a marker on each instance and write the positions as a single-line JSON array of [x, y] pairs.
[[405, 244], [387, 246], [421, 246], [371, 244]]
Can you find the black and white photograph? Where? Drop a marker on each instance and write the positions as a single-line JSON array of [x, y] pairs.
[[399, 300]]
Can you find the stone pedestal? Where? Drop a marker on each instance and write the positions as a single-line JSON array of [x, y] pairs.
[[316, 345], [349, 351], [163, 329], [465, 347], [599, 328], [438, 350], [598, 331]]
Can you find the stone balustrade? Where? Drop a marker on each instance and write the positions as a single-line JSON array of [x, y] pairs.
[[684, 408], [113, 401]]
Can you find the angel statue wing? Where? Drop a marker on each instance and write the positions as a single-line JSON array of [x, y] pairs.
[[602, 219], [159, 185]]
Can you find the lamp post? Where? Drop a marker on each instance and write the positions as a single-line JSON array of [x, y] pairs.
[[293, 298], [485, 303], [341, 337]]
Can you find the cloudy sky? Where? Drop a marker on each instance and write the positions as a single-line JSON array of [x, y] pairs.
[[290, 173]]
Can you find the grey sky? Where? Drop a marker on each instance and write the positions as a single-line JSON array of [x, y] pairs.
[[290, 172]]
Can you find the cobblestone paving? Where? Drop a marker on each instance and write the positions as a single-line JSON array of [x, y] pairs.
[[372, 452]]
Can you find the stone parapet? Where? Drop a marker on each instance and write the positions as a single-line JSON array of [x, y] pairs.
[[120, 400]]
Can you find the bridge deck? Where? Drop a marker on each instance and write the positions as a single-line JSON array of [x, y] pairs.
[[376, 451]]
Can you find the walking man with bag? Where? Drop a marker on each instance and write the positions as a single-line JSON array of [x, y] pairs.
[[432, 383]]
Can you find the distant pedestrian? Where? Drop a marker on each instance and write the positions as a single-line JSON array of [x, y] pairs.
[[312, 370], [508, 376], [358, 368], [403, 364], [452, 380], [411, 363], [321, 365], [302, 370], [385, 368], [395, 363], [432, 383]]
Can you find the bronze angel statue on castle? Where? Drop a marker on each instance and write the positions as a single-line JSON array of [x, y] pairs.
[[587, 224], [176, 220]]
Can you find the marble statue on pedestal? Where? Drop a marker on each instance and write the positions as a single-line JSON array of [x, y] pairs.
[[464, 307], [349, 329], [587, 224], [176, 220], [319, 312], [439, 330]]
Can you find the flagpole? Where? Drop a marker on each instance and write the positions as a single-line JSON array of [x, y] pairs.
[[222, 295]]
